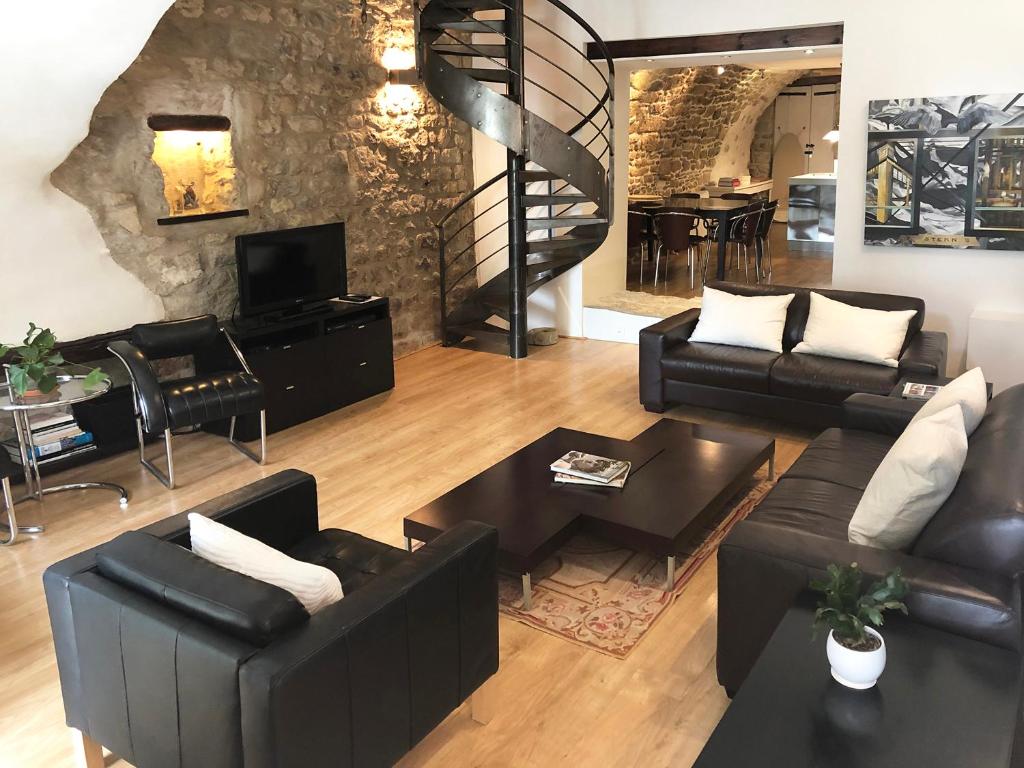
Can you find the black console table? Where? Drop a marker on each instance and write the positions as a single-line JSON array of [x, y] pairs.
[[311, 364]]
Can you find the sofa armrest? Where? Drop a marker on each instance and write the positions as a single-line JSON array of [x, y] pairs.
[[371, 675], [925, 355], [280, 511], [877, 413], [763, 568], [655, 340]]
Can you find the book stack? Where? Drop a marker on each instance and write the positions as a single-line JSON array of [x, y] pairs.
[[578, 468], [55, 436]]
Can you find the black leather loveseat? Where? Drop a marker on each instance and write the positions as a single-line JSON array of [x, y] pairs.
[[962, 570], [805, 389], [168, 660]]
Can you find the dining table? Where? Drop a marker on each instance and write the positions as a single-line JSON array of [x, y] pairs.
[[721, 212]]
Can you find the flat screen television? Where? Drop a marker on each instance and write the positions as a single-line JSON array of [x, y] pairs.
[[290, 268]]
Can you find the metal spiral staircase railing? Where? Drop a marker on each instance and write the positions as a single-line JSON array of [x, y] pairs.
[[497, 68]]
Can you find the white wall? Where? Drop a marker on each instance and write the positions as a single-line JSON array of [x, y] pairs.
[[942, 47], [57, 58]]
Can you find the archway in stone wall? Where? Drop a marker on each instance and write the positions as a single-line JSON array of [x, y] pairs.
[[317, 136]]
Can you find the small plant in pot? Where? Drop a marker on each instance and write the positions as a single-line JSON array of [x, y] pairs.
[[856, 650], [33, 369]]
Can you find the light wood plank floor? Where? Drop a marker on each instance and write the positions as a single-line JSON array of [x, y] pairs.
[[453, 413]]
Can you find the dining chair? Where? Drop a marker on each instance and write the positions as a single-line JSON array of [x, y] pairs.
[[685, 196], [636, 236], [764, 230], [737, 196], [742, 232], [676, 233]]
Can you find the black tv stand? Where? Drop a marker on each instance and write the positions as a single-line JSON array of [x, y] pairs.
[[310, 363], [296, 313]]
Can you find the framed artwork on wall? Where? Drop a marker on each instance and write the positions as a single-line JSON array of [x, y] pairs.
[[946, 172]]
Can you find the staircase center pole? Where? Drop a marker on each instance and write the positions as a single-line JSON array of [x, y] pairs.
[[517, 300]]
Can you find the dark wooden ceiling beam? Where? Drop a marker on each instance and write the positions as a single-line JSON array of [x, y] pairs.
[[816, 80], [796, 37]]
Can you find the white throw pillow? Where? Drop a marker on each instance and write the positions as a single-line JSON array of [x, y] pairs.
[[742, 321], [314, 586], [835, 329], [969, 391], [914, 479]]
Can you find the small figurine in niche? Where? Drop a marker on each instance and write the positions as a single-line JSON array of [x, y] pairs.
[[190, 200]]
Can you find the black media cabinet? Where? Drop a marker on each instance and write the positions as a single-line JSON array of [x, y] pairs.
[[310, 365]]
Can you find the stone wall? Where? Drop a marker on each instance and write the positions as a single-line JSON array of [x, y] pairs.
[[317, 137], [689, 124], [762, 146]]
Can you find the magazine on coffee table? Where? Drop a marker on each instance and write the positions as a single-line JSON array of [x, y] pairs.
[[912, 391], [616, 482], [590, 467]]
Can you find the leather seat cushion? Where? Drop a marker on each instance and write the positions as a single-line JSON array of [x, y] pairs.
[[355, 559], [842, 456], [828, 379], [202, 399], [719, 365], [815, 506]]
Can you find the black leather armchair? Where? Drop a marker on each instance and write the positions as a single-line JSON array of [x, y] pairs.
[[7, 470], [169, 660], [163, 407]]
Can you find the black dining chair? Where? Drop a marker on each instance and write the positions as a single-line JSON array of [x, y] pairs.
[[676, 234], [161, 407], [764, 230], [743, 231], [636, 237], [684, 196], [737, 196], [8, 469]]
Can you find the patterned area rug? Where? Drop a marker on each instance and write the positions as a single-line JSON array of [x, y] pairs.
[[607, 598]]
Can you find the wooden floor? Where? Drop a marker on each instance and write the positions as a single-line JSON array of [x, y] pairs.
[[453, 413], [807, 269]]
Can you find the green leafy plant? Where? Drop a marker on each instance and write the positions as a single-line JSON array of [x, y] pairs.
[[847, 609], [34, 360]]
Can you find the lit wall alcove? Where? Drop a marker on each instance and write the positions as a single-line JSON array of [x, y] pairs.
[[296, 124]]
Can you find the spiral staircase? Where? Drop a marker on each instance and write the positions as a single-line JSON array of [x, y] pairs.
[[531, 88]]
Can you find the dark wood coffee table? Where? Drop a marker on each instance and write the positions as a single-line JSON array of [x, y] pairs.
[[944, 701], [682, 476]]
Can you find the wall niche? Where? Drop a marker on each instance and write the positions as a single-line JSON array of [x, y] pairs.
[[312, 141]]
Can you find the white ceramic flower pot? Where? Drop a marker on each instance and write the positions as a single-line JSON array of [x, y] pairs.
[[856, 669]]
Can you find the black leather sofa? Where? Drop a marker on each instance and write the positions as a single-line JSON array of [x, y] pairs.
[[962, 570], [168, 660], [804, 389]]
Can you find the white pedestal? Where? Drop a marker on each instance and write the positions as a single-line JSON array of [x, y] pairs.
[[995, 342]]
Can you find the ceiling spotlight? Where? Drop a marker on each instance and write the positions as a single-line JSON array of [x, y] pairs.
[[809, 51]]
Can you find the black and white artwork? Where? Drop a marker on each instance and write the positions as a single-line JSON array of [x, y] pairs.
[[946, 172]]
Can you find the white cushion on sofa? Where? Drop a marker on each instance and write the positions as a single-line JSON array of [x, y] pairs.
[[742, 321], [914, 479], [969, 391], [314, 586], [835, 329]]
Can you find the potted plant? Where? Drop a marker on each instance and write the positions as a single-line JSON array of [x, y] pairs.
[[32, 370], [856, 650]]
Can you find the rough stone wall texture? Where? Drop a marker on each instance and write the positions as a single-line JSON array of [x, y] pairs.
[[762, 146], [687, 125], [317, 137]]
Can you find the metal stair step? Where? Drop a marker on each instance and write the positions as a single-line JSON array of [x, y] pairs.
[[462, 49], [477, 329], [488, 75], [561, 222], [531, 176], [562, 198], [549, 244], [477, 5], [484, 27]]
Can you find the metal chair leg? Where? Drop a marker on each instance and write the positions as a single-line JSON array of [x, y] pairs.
[[657, 265], [12, 521], [168, 479], [262, 457]]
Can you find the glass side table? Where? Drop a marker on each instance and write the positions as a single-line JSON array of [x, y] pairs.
[[70, 390]]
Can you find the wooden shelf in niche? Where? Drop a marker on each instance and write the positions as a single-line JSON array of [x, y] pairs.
[[192, 218]]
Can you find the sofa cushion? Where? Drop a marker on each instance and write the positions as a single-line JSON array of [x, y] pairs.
[[848, 332], [843, 456], [719, 365], [755, 322], [232, 602], [814, 506], [355, 559], [828, 379], [968, 391], [981, 525]]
